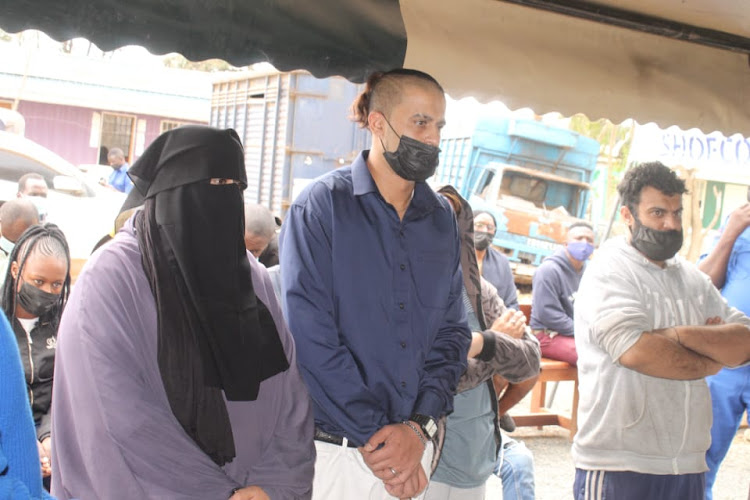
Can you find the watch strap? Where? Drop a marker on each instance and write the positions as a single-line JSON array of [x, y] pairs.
[[426, 423], [416, 431]]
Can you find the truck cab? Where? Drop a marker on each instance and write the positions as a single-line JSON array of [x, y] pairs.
[[533, 177]]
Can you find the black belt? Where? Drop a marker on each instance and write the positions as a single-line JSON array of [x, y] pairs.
[[331, 438]]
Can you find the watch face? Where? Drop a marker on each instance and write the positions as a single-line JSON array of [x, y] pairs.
[[428, 425]]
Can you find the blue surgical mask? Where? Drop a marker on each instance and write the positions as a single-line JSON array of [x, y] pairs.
[[6, 245], [580, 250]]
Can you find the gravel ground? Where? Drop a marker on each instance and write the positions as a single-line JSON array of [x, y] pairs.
[[554, 471]]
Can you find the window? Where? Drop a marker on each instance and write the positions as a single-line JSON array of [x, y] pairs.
[[483, 182], [118, 131], [167, 125], [524, 186]]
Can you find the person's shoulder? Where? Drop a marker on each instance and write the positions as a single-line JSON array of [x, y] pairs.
[[498, 256], [441, 202], [547, 267], [614, 252], [328, 186], [617, 264], [690, 272], [112, 262], [440, 211]]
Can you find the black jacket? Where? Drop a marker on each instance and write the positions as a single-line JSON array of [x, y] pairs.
[[38, 358]]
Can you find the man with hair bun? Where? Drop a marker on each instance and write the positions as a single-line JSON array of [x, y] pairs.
[[372, 289], [649, 327]]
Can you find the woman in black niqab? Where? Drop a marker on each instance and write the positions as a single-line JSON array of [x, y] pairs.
[[214, 334]]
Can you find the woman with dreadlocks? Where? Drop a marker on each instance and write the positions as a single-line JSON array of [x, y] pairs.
[[37, 283]]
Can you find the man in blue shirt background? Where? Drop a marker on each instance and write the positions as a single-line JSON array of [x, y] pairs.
[[372, 284], [728, 266], [118, 179]]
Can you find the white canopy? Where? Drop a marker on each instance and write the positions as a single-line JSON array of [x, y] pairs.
[[526, 57]]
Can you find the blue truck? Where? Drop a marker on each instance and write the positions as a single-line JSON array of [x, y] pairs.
[[533, 177]]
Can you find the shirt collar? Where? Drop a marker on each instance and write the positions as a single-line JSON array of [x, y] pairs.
[[424, 199], [362, 181]]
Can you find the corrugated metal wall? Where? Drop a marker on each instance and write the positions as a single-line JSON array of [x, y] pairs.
[[293, 126], [257, 108]]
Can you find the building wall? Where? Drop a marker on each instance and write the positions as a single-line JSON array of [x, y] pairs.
[[67, 130], [63, 129]]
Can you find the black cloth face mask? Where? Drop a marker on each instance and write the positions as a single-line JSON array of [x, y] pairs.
[[35, 300], [482, 240], [655, 245], [413, 160]]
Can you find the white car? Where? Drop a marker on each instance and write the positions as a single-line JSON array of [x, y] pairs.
[[84, 211]]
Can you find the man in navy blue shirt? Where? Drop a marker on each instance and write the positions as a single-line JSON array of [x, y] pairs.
[[372, 285]]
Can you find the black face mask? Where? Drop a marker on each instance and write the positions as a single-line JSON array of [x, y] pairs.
[[482, 240], [413, 160], [36, 301], [655, 245]]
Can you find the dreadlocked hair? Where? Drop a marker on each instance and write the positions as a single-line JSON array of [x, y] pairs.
[[47, 240]]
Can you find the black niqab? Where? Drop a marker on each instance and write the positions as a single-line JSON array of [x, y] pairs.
[[214, 334]]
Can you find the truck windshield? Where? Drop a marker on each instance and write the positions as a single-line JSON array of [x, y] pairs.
[[521, 189], [524, 186]]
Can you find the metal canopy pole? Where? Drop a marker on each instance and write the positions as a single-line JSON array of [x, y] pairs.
[[645, 23]]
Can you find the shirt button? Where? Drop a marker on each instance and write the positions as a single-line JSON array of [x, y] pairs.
[[401, 305], [403, 344], [402, 266], [403, 384]]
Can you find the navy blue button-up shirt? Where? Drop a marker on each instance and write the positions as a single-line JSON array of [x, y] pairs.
[[373, 302]]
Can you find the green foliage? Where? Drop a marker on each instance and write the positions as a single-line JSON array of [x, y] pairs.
[[615, 139], [615, 142]]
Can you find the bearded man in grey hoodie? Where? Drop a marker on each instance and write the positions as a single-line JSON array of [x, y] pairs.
[[649, 327]]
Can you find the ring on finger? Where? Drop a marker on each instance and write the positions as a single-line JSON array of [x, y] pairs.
[[393, 471]]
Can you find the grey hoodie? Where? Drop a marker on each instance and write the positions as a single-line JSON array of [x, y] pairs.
[[627, 420]]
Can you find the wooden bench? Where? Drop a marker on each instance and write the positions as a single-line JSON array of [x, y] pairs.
[[539, 415]]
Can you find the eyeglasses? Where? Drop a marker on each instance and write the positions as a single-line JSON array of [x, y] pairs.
[[484, 227]]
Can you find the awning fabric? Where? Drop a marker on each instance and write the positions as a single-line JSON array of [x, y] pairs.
[[489, 49]]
